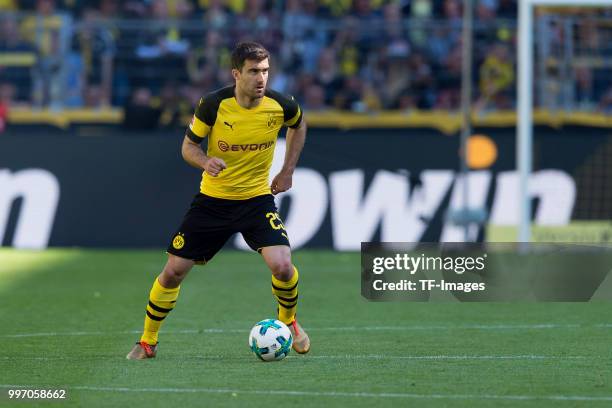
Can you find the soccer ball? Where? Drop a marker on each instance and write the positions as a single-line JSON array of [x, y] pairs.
[[270, 340]]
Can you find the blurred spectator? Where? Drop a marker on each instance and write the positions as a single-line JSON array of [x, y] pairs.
[[327, 74], [605, 104], [440, 43], [396, 77], [507, 9], [161, 55], [109, 8], [366, 10], [216, 15], [175, 9], [453, 12], [8, 5], [405, 101], [349, 96], [314, 99], [7, 99], [302, 41], [336, 8], [422, 82], [234, 6], [18, 58], [205, 64], [168, 41], [367, 14], [191, 96], [172, 105], [279, 80], [345, 45], [140, 114], [253, 20], [421, 11], [369, 101], [496, 77], [296, 20], [584, 88], [449, 80], [301, 86], [453, 15], [48, 30], [93, 44], [486, 10], [394, 37], [94, 97], [75, 80], [135, 9]]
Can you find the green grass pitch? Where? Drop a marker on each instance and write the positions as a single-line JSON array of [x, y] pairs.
[[69, 317]]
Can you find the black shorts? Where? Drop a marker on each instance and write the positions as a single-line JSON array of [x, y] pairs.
[[211, 221]]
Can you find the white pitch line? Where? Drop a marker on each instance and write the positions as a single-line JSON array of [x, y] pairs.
[[461, 327], [236, 392], [339, 328], [366, 357], [102, 333], [453, 357], [37, 358]]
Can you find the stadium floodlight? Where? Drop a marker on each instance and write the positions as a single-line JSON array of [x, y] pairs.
[[524, 152]]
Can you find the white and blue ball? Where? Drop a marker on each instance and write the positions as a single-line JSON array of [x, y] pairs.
[[270, 340]]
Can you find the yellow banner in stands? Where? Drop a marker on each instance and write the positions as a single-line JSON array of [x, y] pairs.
[[444, 121]]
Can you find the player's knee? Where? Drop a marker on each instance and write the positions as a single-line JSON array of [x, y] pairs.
[[282, 269], [174, 274]]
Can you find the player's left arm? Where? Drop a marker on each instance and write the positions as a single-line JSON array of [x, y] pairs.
[[294, 145]]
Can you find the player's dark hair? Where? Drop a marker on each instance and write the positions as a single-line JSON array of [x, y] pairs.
[[248, 51]]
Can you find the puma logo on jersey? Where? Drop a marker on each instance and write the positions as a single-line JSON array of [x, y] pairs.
[[230, 125]]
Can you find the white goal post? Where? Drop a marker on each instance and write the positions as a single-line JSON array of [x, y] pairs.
[[524, 135]]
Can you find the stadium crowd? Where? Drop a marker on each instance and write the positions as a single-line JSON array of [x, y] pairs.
[[356, 55]]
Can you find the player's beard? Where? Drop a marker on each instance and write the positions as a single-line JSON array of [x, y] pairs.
[[252, 92], [258, 92]]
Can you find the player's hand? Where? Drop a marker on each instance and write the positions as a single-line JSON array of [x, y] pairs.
[[281, 182], [214, 166]]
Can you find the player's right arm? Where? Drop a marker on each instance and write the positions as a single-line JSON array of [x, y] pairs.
[[195, 156], [191, 150]]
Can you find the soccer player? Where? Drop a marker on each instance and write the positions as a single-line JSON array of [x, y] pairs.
[[241, 122]]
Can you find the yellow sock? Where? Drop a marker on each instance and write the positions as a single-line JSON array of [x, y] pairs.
[[286, 294], [161, 302]]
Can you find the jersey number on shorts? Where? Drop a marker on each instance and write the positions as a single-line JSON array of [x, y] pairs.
[[275, 221]]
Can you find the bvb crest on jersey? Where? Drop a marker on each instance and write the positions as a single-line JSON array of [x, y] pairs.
[[271, 120]]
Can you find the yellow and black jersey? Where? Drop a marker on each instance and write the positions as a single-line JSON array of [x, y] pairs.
[[243, 138]]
